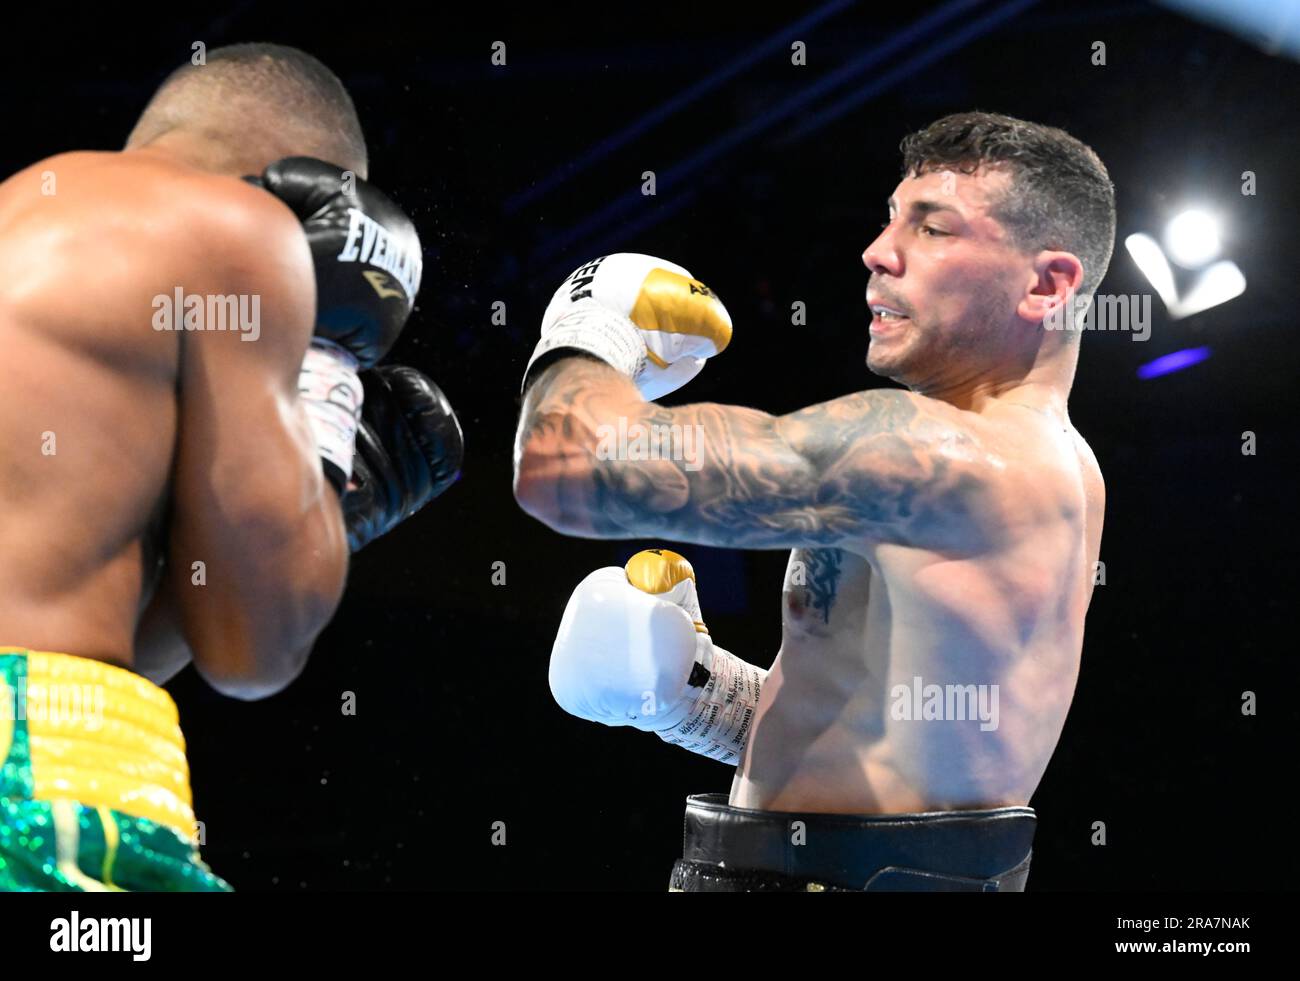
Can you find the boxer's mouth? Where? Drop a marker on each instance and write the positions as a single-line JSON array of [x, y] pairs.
[[885, 318]]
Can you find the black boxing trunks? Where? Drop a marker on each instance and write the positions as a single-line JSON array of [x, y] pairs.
[[735, 849]]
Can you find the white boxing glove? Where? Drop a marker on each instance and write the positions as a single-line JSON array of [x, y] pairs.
[[646, 317], [633, 651]]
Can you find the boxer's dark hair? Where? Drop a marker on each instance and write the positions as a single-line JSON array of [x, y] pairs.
[[288, 84], [1061, 197]]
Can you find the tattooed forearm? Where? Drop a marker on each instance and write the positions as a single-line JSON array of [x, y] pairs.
[[600, 462], [743, 485]]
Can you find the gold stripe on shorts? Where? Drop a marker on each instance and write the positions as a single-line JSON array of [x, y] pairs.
[[106, 737]]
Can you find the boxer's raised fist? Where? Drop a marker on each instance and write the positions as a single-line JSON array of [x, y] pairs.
[[647, 317]]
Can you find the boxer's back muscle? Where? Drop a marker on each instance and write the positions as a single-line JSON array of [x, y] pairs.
[[856, 625], [87, 391]]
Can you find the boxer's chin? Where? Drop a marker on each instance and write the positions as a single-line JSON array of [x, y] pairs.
[[887, 361]]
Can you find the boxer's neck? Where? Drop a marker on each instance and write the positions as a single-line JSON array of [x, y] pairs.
[[218, 153], [208, 152]]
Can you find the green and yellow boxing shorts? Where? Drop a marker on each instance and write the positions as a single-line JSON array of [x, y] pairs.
[[94, 784]]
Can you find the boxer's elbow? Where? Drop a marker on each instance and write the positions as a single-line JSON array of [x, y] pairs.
[[250, 683], [548, 471], [250, 660], [537, 493]]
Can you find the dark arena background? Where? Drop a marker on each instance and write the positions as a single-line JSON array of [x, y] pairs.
[[771, 178]]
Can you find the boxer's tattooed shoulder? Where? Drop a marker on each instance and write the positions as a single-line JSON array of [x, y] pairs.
[[837, 473]]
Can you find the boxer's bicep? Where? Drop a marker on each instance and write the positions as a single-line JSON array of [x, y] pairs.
[[888, 468]]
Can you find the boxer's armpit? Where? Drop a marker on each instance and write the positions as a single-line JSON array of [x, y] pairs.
[[869, 466]]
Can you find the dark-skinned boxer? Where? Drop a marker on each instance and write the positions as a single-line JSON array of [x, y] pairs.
[[196, 434]]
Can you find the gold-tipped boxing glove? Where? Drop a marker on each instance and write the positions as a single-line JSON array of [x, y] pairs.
[[646, 317], [632, 650]]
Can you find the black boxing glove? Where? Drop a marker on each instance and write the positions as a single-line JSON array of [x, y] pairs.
[[368, 263], [366, 252], [409, 450]]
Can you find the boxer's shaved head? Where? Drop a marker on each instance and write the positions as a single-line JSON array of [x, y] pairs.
[[253, 98]]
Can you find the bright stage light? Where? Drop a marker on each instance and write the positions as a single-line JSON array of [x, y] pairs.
[[1173, 362], [1192, 238], [1219, 283]]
